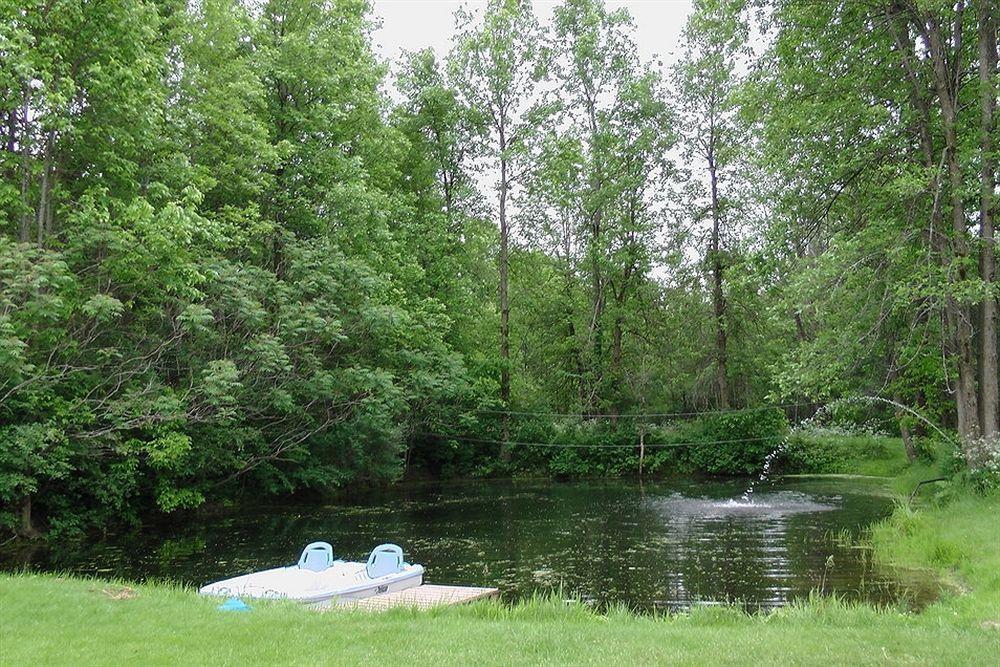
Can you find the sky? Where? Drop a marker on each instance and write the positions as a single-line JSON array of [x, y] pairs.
[[411, 25]]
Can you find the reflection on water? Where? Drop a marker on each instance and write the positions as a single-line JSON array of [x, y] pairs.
[[663, 545]]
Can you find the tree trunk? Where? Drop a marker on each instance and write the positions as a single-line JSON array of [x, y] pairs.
[[800, 328], [27, 527], [921, 99], [946, 86], [617, 335], [920, 428], [718, 296], [504, 303], [904, 431], [597, 278], [617, 375], [597, 316], [569, 280], [989, 403], [577, 360], [24, 229], [42, 213], [50, 208]]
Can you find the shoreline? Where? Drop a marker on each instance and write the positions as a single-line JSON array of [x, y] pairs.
[[58, 619]]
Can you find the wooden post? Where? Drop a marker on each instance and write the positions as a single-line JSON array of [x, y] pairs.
[[642, 448]]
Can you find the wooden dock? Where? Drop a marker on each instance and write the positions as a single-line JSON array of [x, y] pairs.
[[421, 597]]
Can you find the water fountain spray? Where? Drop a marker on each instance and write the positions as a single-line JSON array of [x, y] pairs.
[[747, 496]]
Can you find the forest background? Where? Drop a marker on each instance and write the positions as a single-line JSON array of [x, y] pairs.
[[232, 264]]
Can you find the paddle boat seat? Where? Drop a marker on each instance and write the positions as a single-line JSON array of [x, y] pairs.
[[385, 559], [317, 557]]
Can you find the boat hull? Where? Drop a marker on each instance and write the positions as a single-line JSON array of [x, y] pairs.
[[342, 581]]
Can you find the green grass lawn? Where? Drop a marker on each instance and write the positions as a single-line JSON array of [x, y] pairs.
[[961, 542], [46, 619], [50, 620]]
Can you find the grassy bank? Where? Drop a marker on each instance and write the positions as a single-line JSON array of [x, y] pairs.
[[49, 620], [46, 619], [960, 542]]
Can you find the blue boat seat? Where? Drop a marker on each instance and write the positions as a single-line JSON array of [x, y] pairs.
[[385, 559], [316, 557]]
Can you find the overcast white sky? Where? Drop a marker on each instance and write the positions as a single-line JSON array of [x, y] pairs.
[[415, 24]]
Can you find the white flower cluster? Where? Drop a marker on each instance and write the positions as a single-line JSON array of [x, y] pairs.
[[814, 427], [983, 452]]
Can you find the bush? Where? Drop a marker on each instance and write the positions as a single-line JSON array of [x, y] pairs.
[[594, 449], [807, 453], [982, 459], [736, 443]]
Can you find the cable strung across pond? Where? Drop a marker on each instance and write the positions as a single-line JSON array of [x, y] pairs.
[[597, 415], [565, 445]]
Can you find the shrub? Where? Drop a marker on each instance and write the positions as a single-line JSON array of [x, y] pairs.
[[807, 453], [732, 443], [982, 459], [736, 443]]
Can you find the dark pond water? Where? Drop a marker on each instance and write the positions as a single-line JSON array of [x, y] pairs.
[[661, 545]]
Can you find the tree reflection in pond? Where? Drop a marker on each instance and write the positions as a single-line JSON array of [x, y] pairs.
[[665, 545]]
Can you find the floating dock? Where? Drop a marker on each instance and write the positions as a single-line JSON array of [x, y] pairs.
[[421, 597]]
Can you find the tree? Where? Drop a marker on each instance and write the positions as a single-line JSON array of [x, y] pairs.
[[707, 82], [871, 173], [220, 111], [944, 33], [989, 370], [495, 67], [608, 177], [224, 301]]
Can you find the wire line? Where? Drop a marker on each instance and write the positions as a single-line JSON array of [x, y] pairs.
[[598, 446], [641, 415]]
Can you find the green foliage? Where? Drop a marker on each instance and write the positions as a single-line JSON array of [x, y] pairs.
[[231, 265], [986, 480], [737, 443], [32, 456], [818, 451], [875, 274], [723, 444], [214, 301], [977, 465]]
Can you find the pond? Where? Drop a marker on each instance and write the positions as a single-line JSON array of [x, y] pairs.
[[662, 545]]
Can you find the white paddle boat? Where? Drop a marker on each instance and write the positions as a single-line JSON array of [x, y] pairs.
[[319, 578]]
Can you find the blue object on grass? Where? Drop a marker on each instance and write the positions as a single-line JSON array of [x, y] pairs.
[[234, 604]]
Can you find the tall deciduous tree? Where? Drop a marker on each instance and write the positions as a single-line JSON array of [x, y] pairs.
[[989, 370], [220, 110], [611, 174], [875, 141], [707, 80], [495, 66]]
